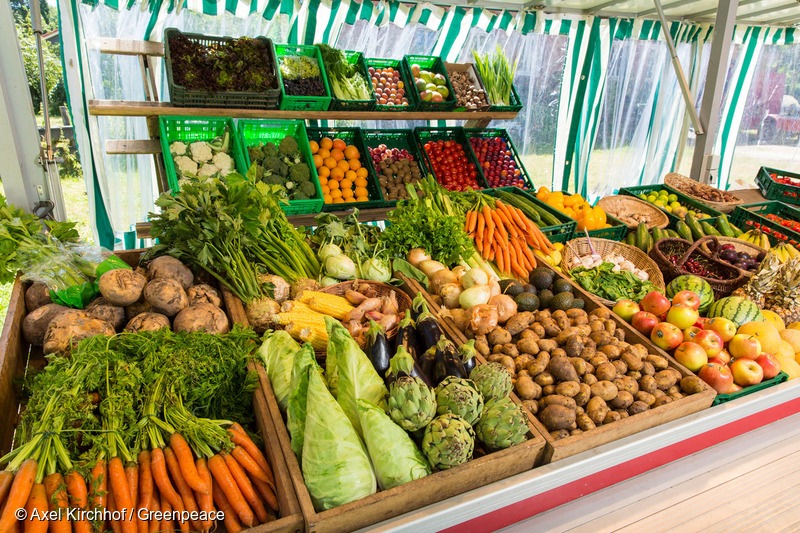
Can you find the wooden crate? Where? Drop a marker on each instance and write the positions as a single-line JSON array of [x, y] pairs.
[[387, 504], [16, 356], [562, 448]]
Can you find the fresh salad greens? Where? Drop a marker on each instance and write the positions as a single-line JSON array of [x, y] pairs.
[[347, 83], [604, 282]]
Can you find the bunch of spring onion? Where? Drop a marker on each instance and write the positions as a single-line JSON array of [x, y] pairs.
[[497, 75]]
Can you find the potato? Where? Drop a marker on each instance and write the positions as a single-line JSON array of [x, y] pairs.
[[522, 361], [34, 326], [202, 317], [589, 379], [605, 390], [539, 364], [531, 406], [634, 374], [537, 329], [203, 294], [692, 385], [166, 267], [121, 286], [612, 352], [568, 388], [632, 359], [560, 434], [620, 366], [606, 372], [528, 334], [147, 322], [573, 347], [648, 369], [549, 390], [556, 417], [166, 296], [657, 361], [662, 400], [527, 344], [611, 326], [611, 417], [499, 336], [482, 346], [519, 322], [601, 312], [70, 327], [597, 409], [510, 350], [638, 407], [137, 308], [627, 383], [104, 310], [665, 379], [547, 345], [598, 360], [527, 389], [562, 369], [579, 365], [622, 400], [558, 352], [544, 379], [584, 422], [36, 296], [645, 397], [584, 394], [508, 363]]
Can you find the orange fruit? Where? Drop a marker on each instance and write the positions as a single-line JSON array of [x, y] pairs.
[[337, 154], [326, 143], [362, 198], [336, 193], [351, 200], [344, 165], [347, 193], [330, 163], [355, 164], [318, 160], [314, 146], [362, 191], [351, 152], [337, 174], [327, 198], [326, 189], [323, 171], [362, 172], [359, 181], [333, 184], [346, 184], [350, 175], [324, 153], [339, 144], [338, 200]]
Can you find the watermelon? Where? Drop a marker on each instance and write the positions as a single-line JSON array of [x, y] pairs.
[[739, 310], [697, 285]]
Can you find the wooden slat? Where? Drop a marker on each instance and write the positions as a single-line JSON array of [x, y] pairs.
[[750, 196], [126, 47], [131, 147], [147, 109]]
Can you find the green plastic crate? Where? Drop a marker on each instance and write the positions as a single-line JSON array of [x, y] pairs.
[[435, 65], [682, 198], [405, 77], [502, 133], [352, 136], [722, 398], [194, 129], [514, 105], [772, 190], [182, 97], [563, 232], [257, 131], [616, 232], [355, 58], [403, 139], [425, 134], [303, 103], [754, 216]]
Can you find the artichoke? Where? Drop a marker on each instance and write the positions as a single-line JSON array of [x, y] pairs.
[[502, 424], [459, 397], [412, 404], [492, 380], [448, 441]]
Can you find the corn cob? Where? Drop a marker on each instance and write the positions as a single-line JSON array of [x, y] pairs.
[[309, 333], [304, 325], [328, 304]]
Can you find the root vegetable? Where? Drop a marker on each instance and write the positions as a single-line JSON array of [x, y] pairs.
[[441, 278], [166, 296], [204, 294], [147, 322], [302, 284], [202, 317], [167, 267], [417, 256], [261, 313], [450, 293], [137, 308], [121, 286], [105, 310], [506, 307], [429, 267], [70, 327], [35, 324], [281, 290], [37, 295]]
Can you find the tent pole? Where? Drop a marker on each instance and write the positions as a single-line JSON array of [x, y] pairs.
[[704, 162]]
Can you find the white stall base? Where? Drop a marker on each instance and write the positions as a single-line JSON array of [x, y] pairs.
[[545, 488]]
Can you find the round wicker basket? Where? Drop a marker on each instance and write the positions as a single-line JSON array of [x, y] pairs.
[[739, 245], [626, 208], [685, 185], [580, 247]]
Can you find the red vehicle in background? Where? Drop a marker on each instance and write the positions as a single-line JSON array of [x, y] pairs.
[[774, 114]]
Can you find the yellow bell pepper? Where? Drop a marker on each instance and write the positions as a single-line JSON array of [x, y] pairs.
[[543, 193], [600, 214]]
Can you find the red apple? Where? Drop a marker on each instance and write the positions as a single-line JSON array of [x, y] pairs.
[[710, 341], [689, 298], [625, 309], [691, 355], [746, 372], [726, 328], [734, 388], [682, 315], [690, 333], [718, 377], [769, 364], [743, 346], [667, 336], [701, 323], [655, 302], [644, 322], [722, 358]]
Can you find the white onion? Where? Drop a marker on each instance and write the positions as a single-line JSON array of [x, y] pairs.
[[475, 276]]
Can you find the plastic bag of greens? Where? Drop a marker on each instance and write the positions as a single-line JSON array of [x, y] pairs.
[[336, 468], [278, 353], [296, 410], [394, 455]]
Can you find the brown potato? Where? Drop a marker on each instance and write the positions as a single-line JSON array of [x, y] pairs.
[[612, 352], [568, 388], [584, 394], [539, 363], [597, 360], [548, 390], [527, 389], [611, 417], [662, 400], [648, 369], [645, 397], [544, 378], [69, 327], [665, 379], [482, 346], [597, 409], [657, 361], [528, 334], [510, 350], [621, 367], [498, 336], [605, 390], [627, 383], [560, 434], [632, 359], [638, 407], [519, 322], [584, 422], [692, 385], [606, 372], [557, 417], [531, 406], [562, 369], [528, 344], [34, 326], [547, 345], [522, 361], [537, 329], [589, 378], [622, 400], [579, 365]]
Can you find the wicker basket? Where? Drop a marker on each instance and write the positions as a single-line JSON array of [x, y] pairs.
[[580, 247], [622, 207], [733, 277], [683, 184], [738, 244]]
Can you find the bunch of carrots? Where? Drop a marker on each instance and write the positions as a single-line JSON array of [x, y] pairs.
[[504, 234]]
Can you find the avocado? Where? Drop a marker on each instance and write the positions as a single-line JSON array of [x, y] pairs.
[[562, 285], [529, 288], [544, 298], [562, 301], [541, 278], [527, 302], [511, 287], [578, 303]]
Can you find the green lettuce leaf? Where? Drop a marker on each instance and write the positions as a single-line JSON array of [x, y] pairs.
[[336, 468], [296, 409], [394, 455], [278, 353], [331, 359]]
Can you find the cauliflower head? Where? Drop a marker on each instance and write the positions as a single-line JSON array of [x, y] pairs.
[[185, 165], [223, 162], [201, 152], [209, 169], [177, 148]]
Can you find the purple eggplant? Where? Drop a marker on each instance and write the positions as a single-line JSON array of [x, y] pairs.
[[467, 352], [428, 363], [428, 329], [378, 348], [407, 336], [447, 361]]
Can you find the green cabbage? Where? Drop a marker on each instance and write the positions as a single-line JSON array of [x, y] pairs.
[[336, 468], [394, 455], [357, 378], [296, 410], [331, 362], [278, 352]]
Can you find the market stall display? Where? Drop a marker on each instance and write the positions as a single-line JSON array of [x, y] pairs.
[[498, 159], [497, 76], [722, 201], [390, 79], [449, 158], [431, 85], [779, 185], [677, 205], [633, 211], [467, 86], [592, 219], [396, 160], [350, 82], [301, 73]]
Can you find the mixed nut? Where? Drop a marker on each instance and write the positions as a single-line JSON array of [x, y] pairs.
[[467, 94]]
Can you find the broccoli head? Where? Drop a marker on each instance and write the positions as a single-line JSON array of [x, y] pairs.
[[284, 169], [273, 164], [299, 172], [274, 179], [256, 152], [299, 195], [307, 188], [288, 146], [270, 150]]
